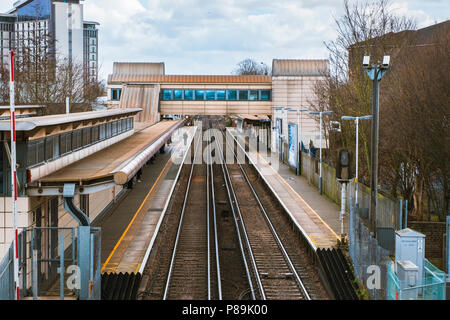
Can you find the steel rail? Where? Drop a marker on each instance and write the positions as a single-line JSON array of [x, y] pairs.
[[275, 234], [233, 200], [172, 261], [208, 241], [216, 238]]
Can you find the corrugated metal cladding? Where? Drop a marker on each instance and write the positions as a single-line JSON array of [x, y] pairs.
[[222, 79], [144, 96], [139, 68], [299, 67]]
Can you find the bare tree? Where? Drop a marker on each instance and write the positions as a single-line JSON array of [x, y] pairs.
[[251, 67], [43, 78], [414, 100]]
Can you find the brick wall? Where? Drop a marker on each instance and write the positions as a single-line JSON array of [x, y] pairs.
[[434, 232]]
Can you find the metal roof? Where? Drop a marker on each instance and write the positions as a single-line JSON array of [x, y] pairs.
[[28, 124], [290, 67], [223, 79]]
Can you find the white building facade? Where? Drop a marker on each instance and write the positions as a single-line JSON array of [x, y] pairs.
[[71, 37]]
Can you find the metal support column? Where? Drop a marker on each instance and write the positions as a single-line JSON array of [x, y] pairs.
[[83, 246]]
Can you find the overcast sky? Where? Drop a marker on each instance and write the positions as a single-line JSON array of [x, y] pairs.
[[212, 36]]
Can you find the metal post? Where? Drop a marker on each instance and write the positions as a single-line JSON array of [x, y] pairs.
[[448, 248], [34, 274], [67, 105], [406, 214], [357, 158], [374, 154], [401, 214], [299, 147], [61, 266], [14, 173], [341, 215], [320, 169], [83, 261]]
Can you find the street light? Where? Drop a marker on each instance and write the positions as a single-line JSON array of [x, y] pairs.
[[299, 134], [375, 72], [357, 149], [320, 174]]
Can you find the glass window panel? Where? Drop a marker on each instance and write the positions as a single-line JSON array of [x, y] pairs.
[[220, 94], [243, 94], [40, 151], [76, 139], [253, 95], [188, 94], [31, 153], [210, 95], [199, 95], [86, 136], [167, 94], [231, 94], [94, 134], [102, 131], [265, 95], [108, 130], [49, 148], [177, 94]]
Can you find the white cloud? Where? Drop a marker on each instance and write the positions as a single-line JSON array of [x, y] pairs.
[[211, 36]]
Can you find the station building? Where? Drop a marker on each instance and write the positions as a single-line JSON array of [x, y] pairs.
[[98, 152], [258, 102]]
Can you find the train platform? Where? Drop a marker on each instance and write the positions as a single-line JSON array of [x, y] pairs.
[[129, 229], [315, 215]]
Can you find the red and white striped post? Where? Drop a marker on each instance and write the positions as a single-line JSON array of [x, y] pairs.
[[14, 172]]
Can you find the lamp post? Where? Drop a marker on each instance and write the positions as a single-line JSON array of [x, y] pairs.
[[299, 135], [320, 113], [357, 150], [375, 72]]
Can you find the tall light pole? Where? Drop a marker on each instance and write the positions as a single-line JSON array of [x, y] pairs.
[[375, 73], [299, 135], [357, 150], [320, 113]]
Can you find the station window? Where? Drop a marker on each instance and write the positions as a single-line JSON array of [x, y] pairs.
[[32, 159], [167, 94], [253, 95], [51, 148], [115, 94], [220, 94], [231, 94], [77, 139], [114, 128], [199, 95], [265, 95], [102, 133], [95, 134], [188, 94], [243, 94], [65, 143], [177, 94], [109, 130], [86, 136], [210, 95]]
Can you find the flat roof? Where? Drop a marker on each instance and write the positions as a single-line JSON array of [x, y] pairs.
[[28, 124], [103, 163], [198, 79]]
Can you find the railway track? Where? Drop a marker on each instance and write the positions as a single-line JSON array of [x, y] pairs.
[[226, 245]]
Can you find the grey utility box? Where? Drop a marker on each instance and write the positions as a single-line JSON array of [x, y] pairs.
[[408, 274], [410, 246]]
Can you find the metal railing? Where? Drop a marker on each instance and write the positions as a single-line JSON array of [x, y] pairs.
[[432, 287]]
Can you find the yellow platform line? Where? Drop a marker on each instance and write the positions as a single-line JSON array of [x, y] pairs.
[[135, 215], [296, 193]]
